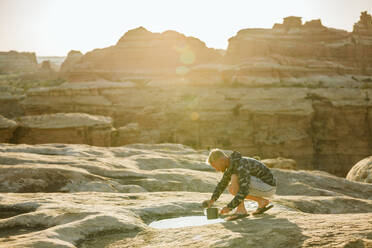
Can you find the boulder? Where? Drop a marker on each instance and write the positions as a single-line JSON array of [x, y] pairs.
[[361, 171], [72, 128]]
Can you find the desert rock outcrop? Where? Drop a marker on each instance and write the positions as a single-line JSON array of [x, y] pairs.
[[320, 128], [142, 56], [293, 51], [12, 62], [364, 25], [72, 58], [362, 171], [79, 196], [72, 128]]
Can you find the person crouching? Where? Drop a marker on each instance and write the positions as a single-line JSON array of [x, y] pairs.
[[249, 179]]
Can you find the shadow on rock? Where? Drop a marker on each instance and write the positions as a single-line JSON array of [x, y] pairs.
[[264, 231]]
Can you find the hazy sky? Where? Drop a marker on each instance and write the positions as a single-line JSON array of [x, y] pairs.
[[54, 27]]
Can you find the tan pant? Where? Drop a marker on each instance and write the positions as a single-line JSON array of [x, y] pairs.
[[256, 187]]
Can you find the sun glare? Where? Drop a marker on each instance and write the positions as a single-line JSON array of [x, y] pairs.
[[53, 27]]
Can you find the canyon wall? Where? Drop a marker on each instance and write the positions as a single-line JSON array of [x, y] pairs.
[[314, 126]]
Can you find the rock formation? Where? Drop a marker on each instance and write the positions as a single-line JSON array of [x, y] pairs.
[[46, 66], [72, 58], [364, 26], [72, 128], [141, 55], [362, 171], [292, 51], [59, 195], [321, 128], [11, 62]]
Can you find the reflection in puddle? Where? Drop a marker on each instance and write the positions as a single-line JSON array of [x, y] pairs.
[[184, 222], [202, 220]]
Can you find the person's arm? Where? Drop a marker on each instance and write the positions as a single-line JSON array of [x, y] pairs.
[[244, 181], [221, 186]]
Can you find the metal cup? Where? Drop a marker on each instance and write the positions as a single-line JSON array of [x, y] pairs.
[[212, 213]]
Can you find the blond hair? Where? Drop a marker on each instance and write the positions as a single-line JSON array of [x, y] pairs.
[[215, 154]]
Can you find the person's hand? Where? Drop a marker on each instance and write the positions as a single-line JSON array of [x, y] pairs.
[[207, 203], [225, 210]]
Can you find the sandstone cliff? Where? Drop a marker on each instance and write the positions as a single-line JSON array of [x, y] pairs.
[[13, 61], [321, 128], [289, 53], [144, 56], [72, 58], [298, 52]]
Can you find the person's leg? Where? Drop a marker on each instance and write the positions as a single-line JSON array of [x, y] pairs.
[[262, 202], [259, 190], [233, 189]]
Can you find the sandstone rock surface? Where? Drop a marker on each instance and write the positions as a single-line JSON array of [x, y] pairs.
[[73, 128], [362, 171], [7, 128], [311, 208]]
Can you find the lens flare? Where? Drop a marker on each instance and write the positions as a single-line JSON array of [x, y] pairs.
[[187, 57], [194, 116], [182, 70]]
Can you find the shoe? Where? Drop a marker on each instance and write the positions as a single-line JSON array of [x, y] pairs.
[[262, 210], [236, 216]]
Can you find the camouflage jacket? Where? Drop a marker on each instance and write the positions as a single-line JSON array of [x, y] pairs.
[[244, 168]]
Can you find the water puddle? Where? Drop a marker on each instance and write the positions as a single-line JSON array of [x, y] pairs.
[[202, 219], [184, 222]]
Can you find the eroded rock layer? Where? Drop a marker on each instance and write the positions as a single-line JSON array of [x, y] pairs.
[[13, 61], [324, 128], [72, 128]]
